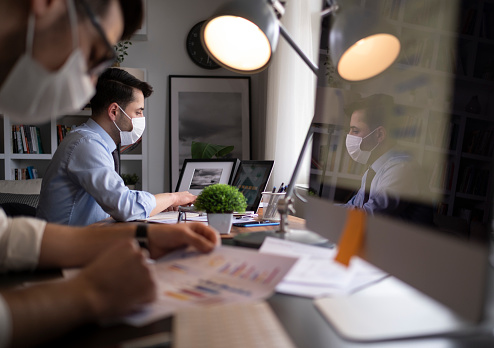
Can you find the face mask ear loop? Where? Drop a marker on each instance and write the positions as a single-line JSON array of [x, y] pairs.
[[130, 118], [115, 123], [73, 23], [124, 112], [116, 126], [30, 34]]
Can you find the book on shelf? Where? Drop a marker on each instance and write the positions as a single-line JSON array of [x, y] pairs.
[[27, 173], [474, 181], [26, 139], [486, 28], [62, 131], [468, 21], [442, 208], [478, 141], [442, 175], [439, 134]]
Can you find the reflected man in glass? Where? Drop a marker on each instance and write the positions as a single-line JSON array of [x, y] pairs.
[[392, 183]]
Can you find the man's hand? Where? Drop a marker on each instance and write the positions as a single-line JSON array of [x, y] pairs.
[[165, 238], [118, 281], [183, 198], [171, 201]]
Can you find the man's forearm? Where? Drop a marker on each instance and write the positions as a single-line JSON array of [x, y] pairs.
[[45, 311], [65, 246], [163, 201]]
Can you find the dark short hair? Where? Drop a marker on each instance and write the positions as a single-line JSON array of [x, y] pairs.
[[117, 86], [133, 13], [380, 110]]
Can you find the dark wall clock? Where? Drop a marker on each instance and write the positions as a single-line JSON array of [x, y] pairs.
[[196, 51]]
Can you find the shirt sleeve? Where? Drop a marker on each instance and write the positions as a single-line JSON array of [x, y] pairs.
[[5, 324], [20, 242], [90, 164]]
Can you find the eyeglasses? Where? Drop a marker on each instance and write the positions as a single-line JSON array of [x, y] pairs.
[[105, 62]]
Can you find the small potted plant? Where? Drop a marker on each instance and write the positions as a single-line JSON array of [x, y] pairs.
[[220, 201], [121, 48], [130, 180]]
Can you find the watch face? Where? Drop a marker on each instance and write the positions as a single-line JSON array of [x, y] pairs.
[[196, 51]]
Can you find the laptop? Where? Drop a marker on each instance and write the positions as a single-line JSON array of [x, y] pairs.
[[251, 179]]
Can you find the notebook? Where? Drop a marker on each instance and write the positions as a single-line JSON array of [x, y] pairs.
[[251, 324]]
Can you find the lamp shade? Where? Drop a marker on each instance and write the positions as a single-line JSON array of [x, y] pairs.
[[242, 35], [361, 45]]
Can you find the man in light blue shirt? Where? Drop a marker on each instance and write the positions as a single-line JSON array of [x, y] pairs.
[[81, 185]]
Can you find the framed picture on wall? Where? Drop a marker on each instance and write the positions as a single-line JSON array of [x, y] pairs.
[[213, 110], [199, 174]]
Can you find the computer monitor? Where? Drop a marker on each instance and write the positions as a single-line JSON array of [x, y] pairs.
[[432, 227]]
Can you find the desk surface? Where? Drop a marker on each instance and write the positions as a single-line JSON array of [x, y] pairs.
[[303, 322]]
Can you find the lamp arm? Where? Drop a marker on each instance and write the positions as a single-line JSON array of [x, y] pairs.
[[298, 165], [285, 204], [297, 49]]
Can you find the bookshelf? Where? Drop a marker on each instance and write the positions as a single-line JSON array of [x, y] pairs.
[[134, 161], [456, 125]]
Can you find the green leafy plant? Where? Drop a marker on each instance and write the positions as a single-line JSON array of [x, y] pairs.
[[130, 179], [221, 198], [201, 150], [121, 49], [331, 73]]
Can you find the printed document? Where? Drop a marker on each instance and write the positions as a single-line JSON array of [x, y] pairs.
[[316, 274], [226, 275]]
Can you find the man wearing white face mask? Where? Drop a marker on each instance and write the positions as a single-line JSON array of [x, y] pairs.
[[81, 185], [116, 278], [393, 181]]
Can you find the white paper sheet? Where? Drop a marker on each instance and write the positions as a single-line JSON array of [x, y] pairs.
[[171, 217], [316, 273], [226, 275]]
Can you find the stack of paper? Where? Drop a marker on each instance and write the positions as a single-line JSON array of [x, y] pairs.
[[316, 274]]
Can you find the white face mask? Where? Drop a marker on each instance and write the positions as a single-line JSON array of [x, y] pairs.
[[138, 127], [32, 94], [353, 147]]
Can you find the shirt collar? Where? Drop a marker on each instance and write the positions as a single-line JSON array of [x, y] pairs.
[[106, 137], [381, 160]]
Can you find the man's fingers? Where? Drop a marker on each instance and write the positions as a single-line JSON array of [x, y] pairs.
[[202, 237]]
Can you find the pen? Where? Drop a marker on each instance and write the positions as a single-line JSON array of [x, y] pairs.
[[281, 187], [270, 204]]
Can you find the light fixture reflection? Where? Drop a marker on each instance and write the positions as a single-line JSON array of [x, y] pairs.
[[369, 57]]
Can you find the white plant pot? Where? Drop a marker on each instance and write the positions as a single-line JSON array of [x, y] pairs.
[[221, 222]]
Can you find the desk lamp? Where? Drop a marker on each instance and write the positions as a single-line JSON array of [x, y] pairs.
[[242, 36]]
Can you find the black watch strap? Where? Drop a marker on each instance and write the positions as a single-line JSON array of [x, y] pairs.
[[142, 235]]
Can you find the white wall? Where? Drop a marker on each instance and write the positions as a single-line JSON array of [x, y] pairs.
[[164, 54]]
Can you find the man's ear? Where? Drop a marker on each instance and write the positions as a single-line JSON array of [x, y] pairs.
[[112, 111], [43, 7], [381, 134]]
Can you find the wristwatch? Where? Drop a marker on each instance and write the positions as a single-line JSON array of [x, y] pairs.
[[142, 236]]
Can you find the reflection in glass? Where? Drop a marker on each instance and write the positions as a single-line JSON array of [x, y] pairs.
[[435, 109]]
